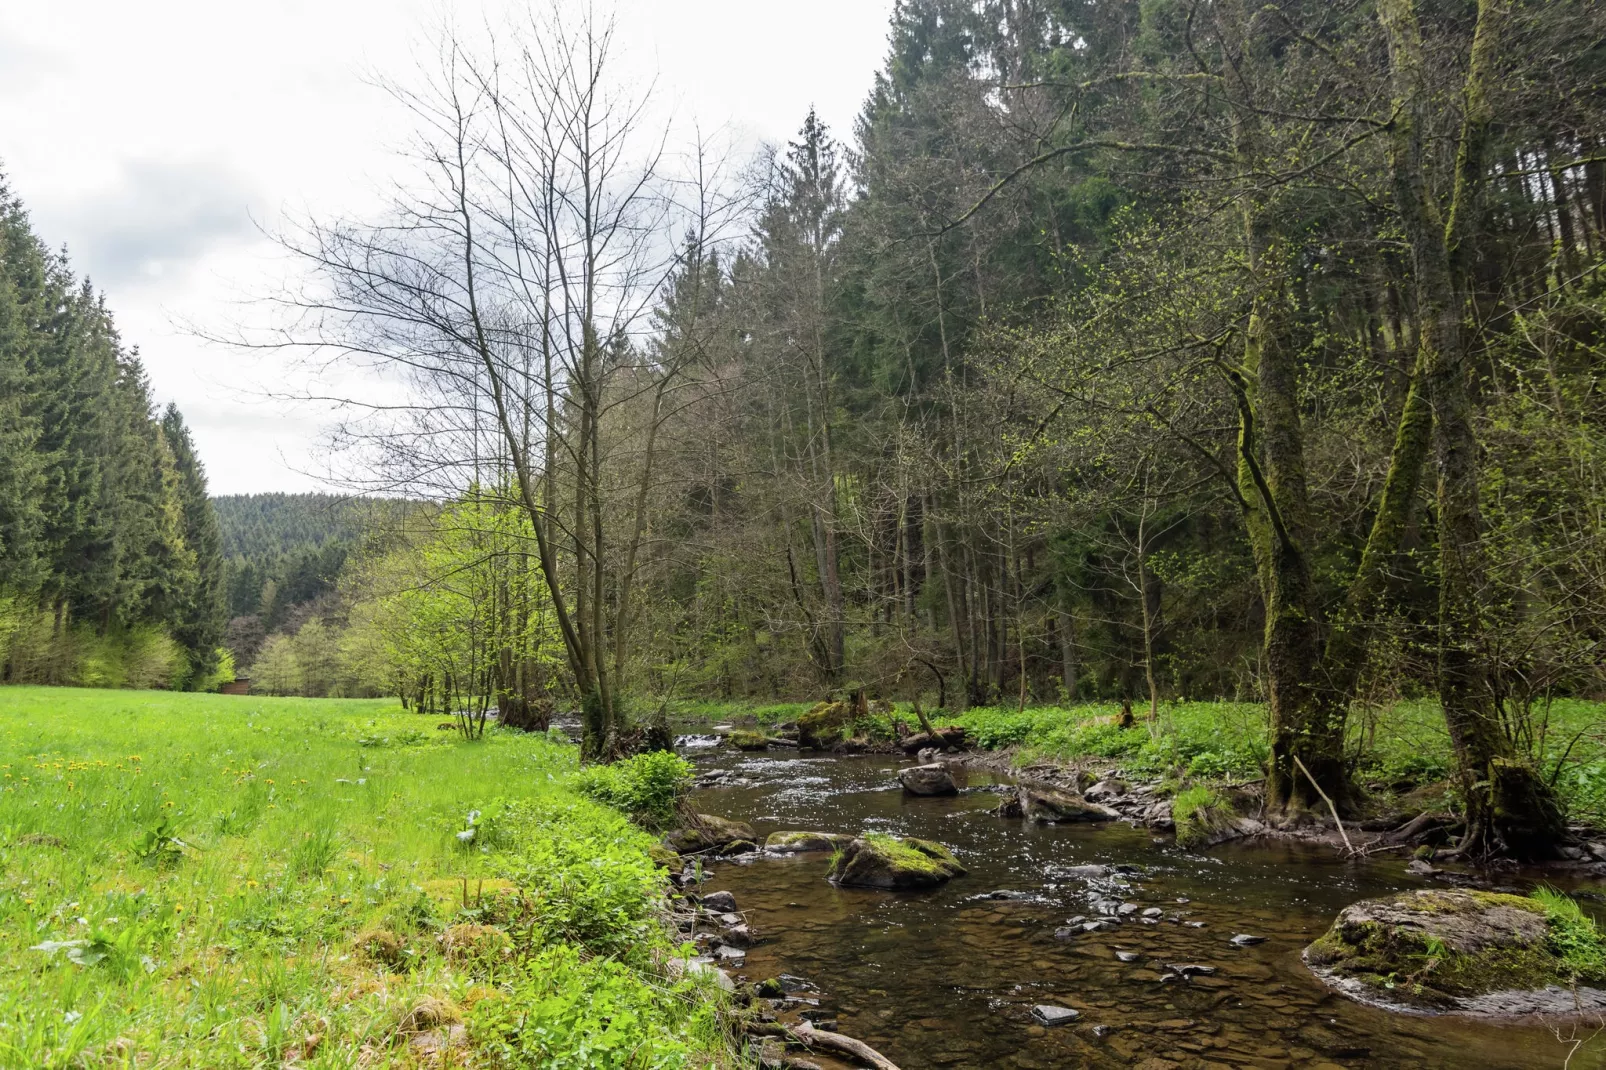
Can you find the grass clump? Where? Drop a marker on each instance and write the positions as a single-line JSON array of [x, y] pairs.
[[202, 880], [1199, 812], [1574, 937]]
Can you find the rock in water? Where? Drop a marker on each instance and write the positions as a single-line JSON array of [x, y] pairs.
[[790, 843], [719, 902], [1051, 1015], [1049, 807], [824, 726], [1461, 951], [707, 832], [1246, 940], [933, 779], [876, 860]]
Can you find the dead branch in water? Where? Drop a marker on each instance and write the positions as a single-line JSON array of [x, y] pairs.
[[1348, 847]]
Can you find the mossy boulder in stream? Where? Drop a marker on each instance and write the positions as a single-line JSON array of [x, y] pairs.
[[1465, 952], [933, 779], [876, 860], [705, 832], [794, 843], [824, 725], [1205, 816], [743, 739]]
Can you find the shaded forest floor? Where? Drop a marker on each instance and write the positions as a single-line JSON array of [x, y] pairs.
[[201, 880], [1400, 749]]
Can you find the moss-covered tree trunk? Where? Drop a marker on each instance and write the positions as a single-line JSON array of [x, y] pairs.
[[1509, 807], [1271, 466]]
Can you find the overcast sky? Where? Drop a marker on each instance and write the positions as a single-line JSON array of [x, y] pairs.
[[152, 139]]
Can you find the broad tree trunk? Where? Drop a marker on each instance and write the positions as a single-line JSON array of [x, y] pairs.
[[1509, 807]]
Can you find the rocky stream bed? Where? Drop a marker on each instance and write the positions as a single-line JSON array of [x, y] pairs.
[[1080, 943]]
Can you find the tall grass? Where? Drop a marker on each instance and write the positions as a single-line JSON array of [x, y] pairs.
[[201, 880]]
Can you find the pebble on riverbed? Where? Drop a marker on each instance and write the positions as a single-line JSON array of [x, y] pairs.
[[1047, 1014]]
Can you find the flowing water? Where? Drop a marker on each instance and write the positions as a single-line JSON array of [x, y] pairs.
[[948, 979]]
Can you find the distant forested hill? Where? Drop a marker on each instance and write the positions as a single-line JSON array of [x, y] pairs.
[[283, 557], [255, 525], [111, 563]]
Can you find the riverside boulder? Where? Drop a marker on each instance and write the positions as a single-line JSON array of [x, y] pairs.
[[1464, 951], [705, 832], [1049, 806], [933, 779], [876, 860]]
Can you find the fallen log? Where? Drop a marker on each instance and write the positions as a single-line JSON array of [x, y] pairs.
[[836, 1042]]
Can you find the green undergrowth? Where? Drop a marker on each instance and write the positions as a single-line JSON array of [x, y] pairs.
[[219, 881]]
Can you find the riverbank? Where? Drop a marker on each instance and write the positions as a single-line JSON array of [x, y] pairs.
[[1403, 754], [200, 880]]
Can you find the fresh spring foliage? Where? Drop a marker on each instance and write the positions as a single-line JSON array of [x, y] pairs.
[[202, 880], [647, 786]]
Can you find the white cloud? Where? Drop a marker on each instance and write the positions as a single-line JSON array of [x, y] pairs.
[[148, 136]]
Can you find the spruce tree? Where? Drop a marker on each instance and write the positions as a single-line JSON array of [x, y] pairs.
[[201, 617]]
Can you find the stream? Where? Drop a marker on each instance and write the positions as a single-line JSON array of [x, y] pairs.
[[948, 978]]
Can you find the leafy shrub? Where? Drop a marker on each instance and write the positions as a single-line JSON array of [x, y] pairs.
[[567, 1012], [588, 879], [646, 786]]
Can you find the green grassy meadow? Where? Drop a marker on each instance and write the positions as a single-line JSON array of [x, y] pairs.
[[199, 880]]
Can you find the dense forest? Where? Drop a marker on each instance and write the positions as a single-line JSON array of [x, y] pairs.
[[111, 560], [1142, 351]]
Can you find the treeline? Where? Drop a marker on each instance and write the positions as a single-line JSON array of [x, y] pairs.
[[111, 565], [441, 607], [1134, 350]]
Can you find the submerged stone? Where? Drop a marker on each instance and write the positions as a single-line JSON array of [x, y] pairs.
[[1461, 951], [1047, 1014], [876, 860]]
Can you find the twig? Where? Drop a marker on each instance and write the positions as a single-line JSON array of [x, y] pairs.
[[1350, 847]]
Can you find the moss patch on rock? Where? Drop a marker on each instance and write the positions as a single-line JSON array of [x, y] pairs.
[[824, 725], [803, 842], [1443, 949], [877, 860]]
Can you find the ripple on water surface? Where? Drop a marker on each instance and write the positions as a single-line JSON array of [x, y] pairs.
[[948, 978]]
